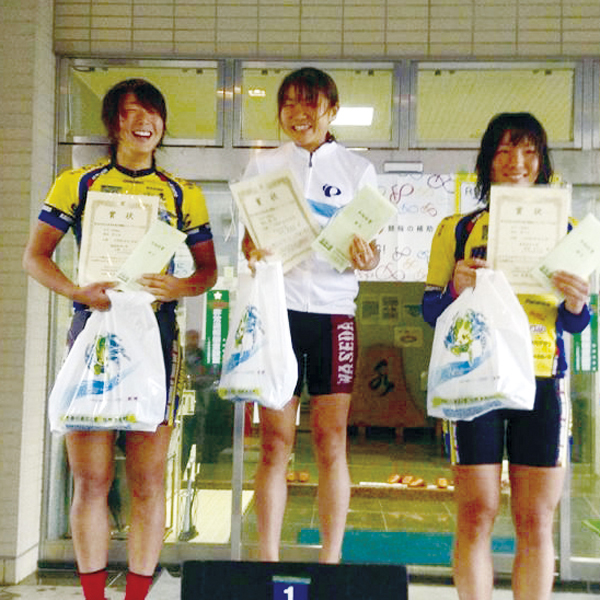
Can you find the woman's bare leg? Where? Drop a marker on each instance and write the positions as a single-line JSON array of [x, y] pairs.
[[278, 430], [146, 458], [329, 419], [535, 494], [477, 497], [91, 460]]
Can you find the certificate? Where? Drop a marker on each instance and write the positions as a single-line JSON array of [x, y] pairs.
[[525, 224], [113, 224], [365, 216], [277, 216], [577, 253], [151, 254]]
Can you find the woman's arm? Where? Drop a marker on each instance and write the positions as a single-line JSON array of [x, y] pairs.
[[437, 299], [251, 252], [38, 262]]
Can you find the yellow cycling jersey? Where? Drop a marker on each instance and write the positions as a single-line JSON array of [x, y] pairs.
[[181, 203], [541, 309]]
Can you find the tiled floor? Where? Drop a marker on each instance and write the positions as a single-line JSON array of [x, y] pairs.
[[375, 506], [373, 457], [395, 508], [52, 586]]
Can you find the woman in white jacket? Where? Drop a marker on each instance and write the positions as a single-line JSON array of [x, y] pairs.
[[321, 307]]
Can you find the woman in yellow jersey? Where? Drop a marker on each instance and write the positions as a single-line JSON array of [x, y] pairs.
[[513, 151], [134, 113]]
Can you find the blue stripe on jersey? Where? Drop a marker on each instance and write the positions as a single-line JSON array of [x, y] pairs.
[[54, 217], [325, 210], [177, 196], [199, 234], [84, 186]]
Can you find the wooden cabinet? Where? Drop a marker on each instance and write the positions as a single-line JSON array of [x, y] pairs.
[[381, 397]]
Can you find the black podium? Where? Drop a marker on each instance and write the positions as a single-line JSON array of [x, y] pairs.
[[243, 580]]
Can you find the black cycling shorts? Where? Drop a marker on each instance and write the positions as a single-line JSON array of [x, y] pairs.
[[326, 349]]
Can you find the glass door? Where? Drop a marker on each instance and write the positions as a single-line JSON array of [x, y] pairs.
[[580, 507]]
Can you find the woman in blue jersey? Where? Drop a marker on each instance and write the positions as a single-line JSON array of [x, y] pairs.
[[321, 308], [134, 113], [513, 151]]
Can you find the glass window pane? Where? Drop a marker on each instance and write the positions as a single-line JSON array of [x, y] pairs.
[[456, 104], [366, 100], [191, 93], [584, 516]]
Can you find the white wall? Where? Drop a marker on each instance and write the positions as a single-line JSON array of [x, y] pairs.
[[26, 146], [329, 28]]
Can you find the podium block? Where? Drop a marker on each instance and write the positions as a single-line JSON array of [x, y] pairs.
[[245, 580]]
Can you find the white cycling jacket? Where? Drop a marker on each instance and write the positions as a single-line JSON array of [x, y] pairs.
[[330, 177]]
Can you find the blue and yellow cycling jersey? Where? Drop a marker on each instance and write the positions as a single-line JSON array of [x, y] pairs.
[[547, 317], [181, 203]]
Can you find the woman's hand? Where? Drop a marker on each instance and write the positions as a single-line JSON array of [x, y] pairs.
[[255, 255], [164, 288], [465, 274], [364, 256], [93, 295], [252, 253], [575, 290]]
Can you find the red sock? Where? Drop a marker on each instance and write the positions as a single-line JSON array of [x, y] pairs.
[[93, 584], [137, 586]]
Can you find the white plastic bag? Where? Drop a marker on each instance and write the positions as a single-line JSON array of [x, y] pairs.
[[114, 375], [259, 364], [482, 355]]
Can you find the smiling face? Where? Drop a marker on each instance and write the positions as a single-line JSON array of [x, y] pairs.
[[305, 123], [518, 164], [140, 132]]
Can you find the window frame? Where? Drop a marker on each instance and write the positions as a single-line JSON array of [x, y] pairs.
[[64, 137], [417, 66], [240, 65]]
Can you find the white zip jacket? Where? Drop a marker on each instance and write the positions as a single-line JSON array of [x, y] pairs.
[[330, 178]]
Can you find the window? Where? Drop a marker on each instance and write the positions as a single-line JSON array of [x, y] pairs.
[[367, 115], [454, 103], [191, 89]]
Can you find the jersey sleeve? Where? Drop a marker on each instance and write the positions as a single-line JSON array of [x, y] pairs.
[[60, 205], [441, 259], [573, 323], [438, 293], [195, 223]]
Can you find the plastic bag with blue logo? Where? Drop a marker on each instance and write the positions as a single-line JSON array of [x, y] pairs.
[[114, 375], [259, 364], [482, 355]]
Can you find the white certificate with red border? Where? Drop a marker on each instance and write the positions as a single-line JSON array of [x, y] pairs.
[[525, 224]]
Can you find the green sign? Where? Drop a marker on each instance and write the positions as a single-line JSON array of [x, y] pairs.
[[217, 326], [585, 344]]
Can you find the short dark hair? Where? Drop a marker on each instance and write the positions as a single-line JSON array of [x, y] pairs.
[[522, 126], [308, 83], [146, 94]]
